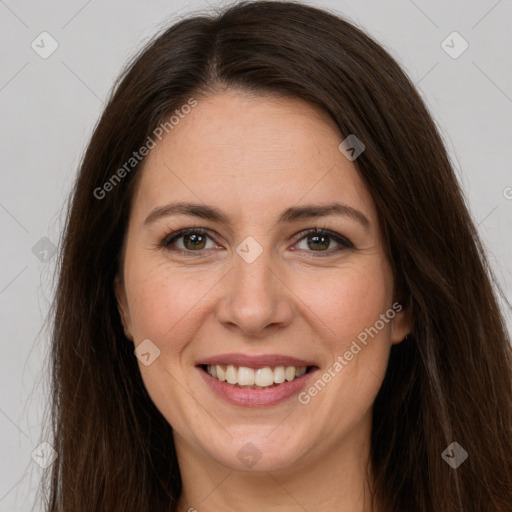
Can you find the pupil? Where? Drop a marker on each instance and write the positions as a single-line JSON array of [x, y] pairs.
[[316, 239], [195, 240]]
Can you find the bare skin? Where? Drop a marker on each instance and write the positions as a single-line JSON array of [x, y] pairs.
[[252, 158]]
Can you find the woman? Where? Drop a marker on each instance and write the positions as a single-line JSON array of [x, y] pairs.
[[271, 293]]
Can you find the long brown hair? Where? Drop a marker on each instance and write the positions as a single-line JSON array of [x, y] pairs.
[[450, 381]]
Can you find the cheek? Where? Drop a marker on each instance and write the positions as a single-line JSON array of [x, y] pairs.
[[350, 305], [167, 307], [348, 300], [165, 299]]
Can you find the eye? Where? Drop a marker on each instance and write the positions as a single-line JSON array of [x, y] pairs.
[[193, 241], [188, 241], [321, 241]]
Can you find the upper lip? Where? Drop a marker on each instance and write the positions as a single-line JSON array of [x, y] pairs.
[[255, 361]]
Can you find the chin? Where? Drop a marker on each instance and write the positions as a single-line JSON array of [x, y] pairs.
[[258, 449]]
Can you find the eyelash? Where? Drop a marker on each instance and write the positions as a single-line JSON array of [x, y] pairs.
[[169, 240]]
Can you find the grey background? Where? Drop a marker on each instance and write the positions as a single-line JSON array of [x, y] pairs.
[[49, 107]]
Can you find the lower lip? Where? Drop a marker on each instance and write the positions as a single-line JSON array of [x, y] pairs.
[[256, 397]]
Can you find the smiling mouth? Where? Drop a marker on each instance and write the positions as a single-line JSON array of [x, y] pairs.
[[259, 378]]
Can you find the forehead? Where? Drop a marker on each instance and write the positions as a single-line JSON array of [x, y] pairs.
[[251, 154]]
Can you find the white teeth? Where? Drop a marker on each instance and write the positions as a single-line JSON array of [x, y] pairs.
[[279, 375], [262, 377], [290, 373], [221, 374], [231, 374], [245, 376]]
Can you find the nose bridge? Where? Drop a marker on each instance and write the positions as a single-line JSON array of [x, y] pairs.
[[255, 297], [254, 275], [254, 278]]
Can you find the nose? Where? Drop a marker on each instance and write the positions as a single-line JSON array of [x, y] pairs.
[[256, 300]]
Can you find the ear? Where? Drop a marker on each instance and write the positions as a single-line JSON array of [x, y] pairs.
[[401, 325], [122, 305]]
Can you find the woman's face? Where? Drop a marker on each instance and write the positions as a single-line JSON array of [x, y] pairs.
[[256, 290]]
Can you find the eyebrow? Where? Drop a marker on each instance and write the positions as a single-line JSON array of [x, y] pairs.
[[291, 214]]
